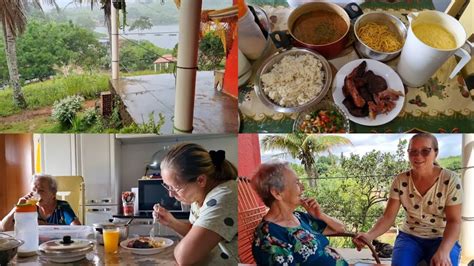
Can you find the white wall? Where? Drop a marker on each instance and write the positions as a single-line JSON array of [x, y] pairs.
[[135, 156]]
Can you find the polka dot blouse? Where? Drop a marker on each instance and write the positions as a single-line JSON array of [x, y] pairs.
[[425, 215], [219, 214]]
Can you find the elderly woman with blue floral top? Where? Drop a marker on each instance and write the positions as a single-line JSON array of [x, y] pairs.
[[286, 236], [431, 197], [51, 211]]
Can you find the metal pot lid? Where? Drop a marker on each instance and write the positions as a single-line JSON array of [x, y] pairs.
[[108, 225], [66, 245], [9, 242], [102, 225]]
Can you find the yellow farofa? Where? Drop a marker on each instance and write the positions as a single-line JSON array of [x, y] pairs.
[[435, 36], [379, 37], [157, 244]]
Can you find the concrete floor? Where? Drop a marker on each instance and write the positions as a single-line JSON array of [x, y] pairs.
[[214, 112]]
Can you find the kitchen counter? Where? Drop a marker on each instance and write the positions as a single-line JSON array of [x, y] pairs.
[[98, 257]]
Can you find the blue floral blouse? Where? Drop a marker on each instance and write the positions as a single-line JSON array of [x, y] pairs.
[[62, 215], [301, 245]]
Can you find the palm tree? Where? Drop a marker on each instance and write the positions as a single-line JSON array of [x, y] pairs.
[[12, 15], [13, 21], [304, 147]]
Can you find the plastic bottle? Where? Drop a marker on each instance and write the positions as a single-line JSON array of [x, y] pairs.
[[26, 229], [252, 42]]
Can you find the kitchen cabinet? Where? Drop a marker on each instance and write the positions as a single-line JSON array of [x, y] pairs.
[[15, 177], [58, 154]]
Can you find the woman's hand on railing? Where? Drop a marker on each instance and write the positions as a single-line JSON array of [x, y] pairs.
[[359, 243]]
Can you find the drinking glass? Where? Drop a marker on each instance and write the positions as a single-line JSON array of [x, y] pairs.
[[111, 239]]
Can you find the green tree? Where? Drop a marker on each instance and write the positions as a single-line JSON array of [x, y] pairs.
[[211, 51], [304, 147], [359, 185], [452, 162], [139, 55], [175, 51], [47, 45], [141, 23]]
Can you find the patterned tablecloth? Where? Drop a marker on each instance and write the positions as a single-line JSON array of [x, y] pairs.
[[441, 105]]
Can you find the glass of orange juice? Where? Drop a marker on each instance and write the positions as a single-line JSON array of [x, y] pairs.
[[34, 199], [111, 239]]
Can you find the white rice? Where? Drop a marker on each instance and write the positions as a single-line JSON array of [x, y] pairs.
[[294, 81]]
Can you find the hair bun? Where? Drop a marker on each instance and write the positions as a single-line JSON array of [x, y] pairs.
[[217, 157]]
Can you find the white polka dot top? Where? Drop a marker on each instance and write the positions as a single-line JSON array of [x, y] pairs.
[[425, 215], [219, 214]]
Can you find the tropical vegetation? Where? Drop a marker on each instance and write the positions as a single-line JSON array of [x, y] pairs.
[[304, 147], [353, 188]]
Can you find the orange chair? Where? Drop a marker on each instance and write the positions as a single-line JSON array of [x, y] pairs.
[[251, 211]]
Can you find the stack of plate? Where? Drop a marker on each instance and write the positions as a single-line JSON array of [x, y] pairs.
[[65, 250]]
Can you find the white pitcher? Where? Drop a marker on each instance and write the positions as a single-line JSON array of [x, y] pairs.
[[419, 61]]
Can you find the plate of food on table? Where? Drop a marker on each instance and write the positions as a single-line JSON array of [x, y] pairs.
[[369, 92], [146, 245]]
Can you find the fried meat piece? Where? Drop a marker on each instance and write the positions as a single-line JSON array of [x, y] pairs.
[[375, 83], [353, 109]]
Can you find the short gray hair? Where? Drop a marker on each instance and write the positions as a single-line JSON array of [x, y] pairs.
[[270, 176], [52, 184]]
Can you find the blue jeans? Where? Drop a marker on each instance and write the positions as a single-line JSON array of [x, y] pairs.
[[409, 250]]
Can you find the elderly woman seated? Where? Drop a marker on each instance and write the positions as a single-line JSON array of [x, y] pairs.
[[286, 236], [50, 210]]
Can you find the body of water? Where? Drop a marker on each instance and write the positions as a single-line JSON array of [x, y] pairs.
[[164, 36]]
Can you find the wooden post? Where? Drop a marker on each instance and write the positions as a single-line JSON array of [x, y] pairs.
[[467, 212], [115, 41], [189, 24]]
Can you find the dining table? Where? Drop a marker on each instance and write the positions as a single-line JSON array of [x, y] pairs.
[[441, 105], [99, 257]]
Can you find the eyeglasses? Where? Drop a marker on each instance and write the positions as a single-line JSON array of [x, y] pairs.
[[424, 152], [174, 190]]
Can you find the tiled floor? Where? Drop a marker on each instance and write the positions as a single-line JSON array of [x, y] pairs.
[[364, 257], [214, 112]]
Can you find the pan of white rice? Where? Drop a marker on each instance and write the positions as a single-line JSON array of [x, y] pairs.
[[293, 80]]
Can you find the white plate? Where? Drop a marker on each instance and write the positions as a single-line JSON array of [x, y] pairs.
[[147, 251], [393, 81]]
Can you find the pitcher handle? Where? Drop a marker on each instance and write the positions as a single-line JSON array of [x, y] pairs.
[[465, 54], [411, 16]]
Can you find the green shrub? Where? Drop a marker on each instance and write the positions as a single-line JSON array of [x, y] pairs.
[[90, 116], [146, 127], [65, 110]]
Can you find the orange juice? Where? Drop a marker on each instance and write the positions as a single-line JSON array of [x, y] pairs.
[[111, 240], [32, 201]]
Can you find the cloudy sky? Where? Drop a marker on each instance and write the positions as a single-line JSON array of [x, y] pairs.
[[449, 144]]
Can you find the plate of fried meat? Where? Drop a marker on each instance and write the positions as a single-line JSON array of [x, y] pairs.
[[369, 92], [146, 245]]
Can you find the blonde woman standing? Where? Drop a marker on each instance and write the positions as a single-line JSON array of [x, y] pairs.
[[431, 197]]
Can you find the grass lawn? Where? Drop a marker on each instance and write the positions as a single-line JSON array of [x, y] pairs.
[[45, 93], [37, 125]]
